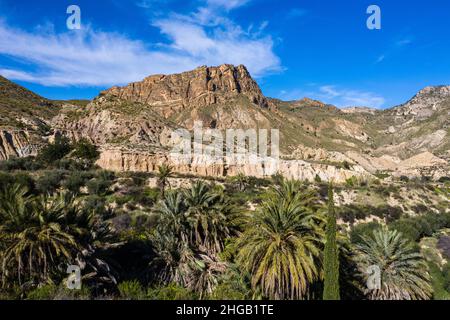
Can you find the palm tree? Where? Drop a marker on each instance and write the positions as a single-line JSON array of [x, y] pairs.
[[34, 240], [171, 240], [241, 181], [94, 240], [164, 172], [403, 271], [209, 216], [281, 246], [41, 236], [192, 228]]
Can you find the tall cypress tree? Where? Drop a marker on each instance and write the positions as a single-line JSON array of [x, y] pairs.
[[331, 256]]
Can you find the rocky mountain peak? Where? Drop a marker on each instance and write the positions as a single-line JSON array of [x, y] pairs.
[[440, 91], [197, 88], [426, 102]]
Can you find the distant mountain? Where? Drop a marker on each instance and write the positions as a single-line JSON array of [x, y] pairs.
[[18, 106], [133, 125], [359, 110]]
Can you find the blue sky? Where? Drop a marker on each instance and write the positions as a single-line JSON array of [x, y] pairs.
[[319, 49]]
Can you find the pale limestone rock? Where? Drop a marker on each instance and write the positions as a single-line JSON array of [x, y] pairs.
[[15, 143]]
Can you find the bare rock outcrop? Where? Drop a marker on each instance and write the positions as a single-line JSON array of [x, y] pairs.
[[15, 143], [425, 102], [117, 159], [170, 94]]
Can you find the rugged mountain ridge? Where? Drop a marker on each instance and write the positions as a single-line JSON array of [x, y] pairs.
[[170, 95], [133, 124]]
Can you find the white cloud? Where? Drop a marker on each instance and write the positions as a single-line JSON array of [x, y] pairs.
[[227, 4], [90, 57], [221, 44], [337, 96], [348, 97], [84, 57]]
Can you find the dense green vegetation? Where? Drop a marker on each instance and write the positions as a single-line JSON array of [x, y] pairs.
[[237, 238]]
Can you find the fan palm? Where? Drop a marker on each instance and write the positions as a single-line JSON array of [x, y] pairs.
[[42, 235], [192, 229], [171, 239], [281, 247], [171, 213], [210, 217], [403, 271], [241, 181], [163, 174], [34, 240]]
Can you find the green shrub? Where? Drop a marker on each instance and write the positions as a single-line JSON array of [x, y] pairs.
[[277, 178], [49, 181], [440, 280], [53, 292], [26, 164], [381, 175], [46, 292], [84, 149], [131, 290], [96, 204], [170, 292], [363, 229], [138, 178], [74, 182], [444, 179], [71, 165], [55, 151], [24, 179], [351, 182], [98, 186], [234, 284], [6, 179], [106, 175], [418, 227], [152, 194]]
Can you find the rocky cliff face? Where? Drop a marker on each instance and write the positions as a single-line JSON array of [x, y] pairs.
[[113, 120], [126, 160], [426, 102], [204, 86], [133, 126], [16, 143], [420, 125]]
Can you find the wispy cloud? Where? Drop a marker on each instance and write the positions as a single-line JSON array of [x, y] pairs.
[[227, 4], [207, 34], [342, 97], [89, 57], [84, 57], [396, 46], [336, 95], [404, 42]]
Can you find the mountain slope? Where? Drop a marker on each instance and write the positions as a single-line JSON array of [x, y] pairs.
[[19, 107], [134, 124]]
